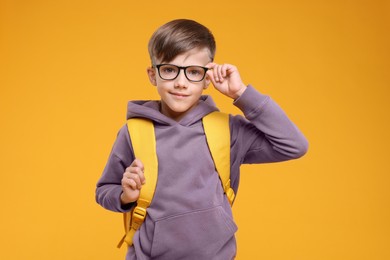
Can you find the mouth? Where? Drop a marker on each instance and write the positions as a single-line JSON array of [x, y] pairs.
[[179, 95]]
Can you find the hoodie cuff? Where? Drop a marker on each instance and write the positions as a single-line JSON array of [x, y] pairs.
[[118, 205], [251, 101]]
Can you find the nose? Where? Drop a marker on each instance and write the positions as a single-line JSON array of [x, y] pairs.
[[181, 80]]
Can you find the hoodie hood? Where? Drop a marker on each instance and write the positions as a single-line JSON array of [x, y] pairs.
[[150, 109]]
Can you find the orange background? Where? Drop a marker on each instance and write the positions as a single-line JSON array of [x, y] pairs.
[[68, 68]]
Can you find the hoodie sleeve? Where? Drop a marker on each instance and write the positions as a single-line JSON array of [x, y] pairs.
[[266, 134], [109, 187]]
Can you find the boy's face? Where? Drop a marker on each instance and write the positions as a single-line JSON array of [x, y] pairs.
[[180, 95]]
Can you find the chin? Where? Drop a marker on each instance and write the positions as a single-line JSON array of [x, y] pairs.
[[180, 110]]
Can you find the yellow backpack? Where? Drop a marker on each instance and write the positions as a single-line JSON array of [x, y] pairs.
[[141, 131]]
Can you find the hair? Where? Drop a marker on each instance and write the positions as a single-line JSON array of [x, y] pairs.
[[179, 36]]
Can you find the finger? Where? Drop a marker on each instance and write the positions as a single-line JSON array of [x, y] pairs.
[[137, 175], [212, 72], [230, 69], [210, 75], [221, 72], [137, 163], [225, 69], [141, 176], [138, 168], [136, 178], [211, 65], [131, 172], [129, 183], [216, 74]]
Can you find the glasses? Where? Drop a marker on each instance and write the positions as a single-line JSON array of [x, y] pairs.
[[170, 72]]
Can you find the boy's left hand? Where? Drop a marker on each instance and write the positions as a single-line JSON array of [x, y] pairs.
[[226, 79]]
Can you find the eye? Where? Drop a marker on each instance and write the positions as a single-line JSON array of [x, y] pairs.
[[194, 71], [168, 69]]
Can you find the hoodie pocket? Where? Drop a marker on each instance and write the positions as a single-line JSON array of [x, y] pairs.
[[194, 235]]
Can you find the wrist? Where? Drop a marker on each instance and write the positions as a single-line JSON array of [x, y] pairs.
[[240, 91], [124, 200]]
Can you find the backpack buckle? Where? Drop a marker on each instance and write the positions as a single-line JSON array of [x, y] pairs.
[[138, 217]]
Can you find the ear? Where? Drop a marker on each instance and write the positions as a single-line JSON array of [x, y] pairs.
[[207, 82], [152, 75]]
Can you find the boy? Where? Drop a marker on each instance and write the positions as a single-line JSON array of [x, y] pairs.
[[190, 217]]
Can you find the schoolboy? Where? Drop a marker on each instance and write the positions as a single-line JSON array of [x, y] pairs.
[[190, 217]]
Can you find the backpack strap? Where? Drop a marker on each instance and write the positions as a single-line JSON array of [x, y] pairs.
[[141, 131], [217, 131], [143, 140]]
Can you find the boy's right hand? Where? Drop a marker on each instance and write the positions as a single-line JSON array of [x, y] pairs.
[[132, 181]]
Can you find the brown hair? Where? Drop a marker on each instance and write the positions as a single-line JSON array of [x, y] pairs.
[[179, 36]]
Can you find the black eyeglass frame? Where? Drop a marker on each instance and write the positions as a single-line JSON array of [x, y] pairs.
[[182, 68]]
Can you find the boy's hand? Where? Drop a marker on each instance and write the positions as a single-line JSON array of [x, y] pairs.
[[132, 181], [226, 79]]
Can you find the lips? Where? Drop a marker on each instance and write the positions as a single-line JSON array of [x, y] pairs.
[[179, 95]]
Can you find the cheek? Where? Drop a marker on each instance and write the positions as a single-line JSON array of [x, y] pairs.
[[199, 91], [161, 88]]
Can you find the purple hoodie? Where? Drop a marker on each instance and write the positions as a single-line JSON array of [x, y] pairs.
[[190, 217]]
